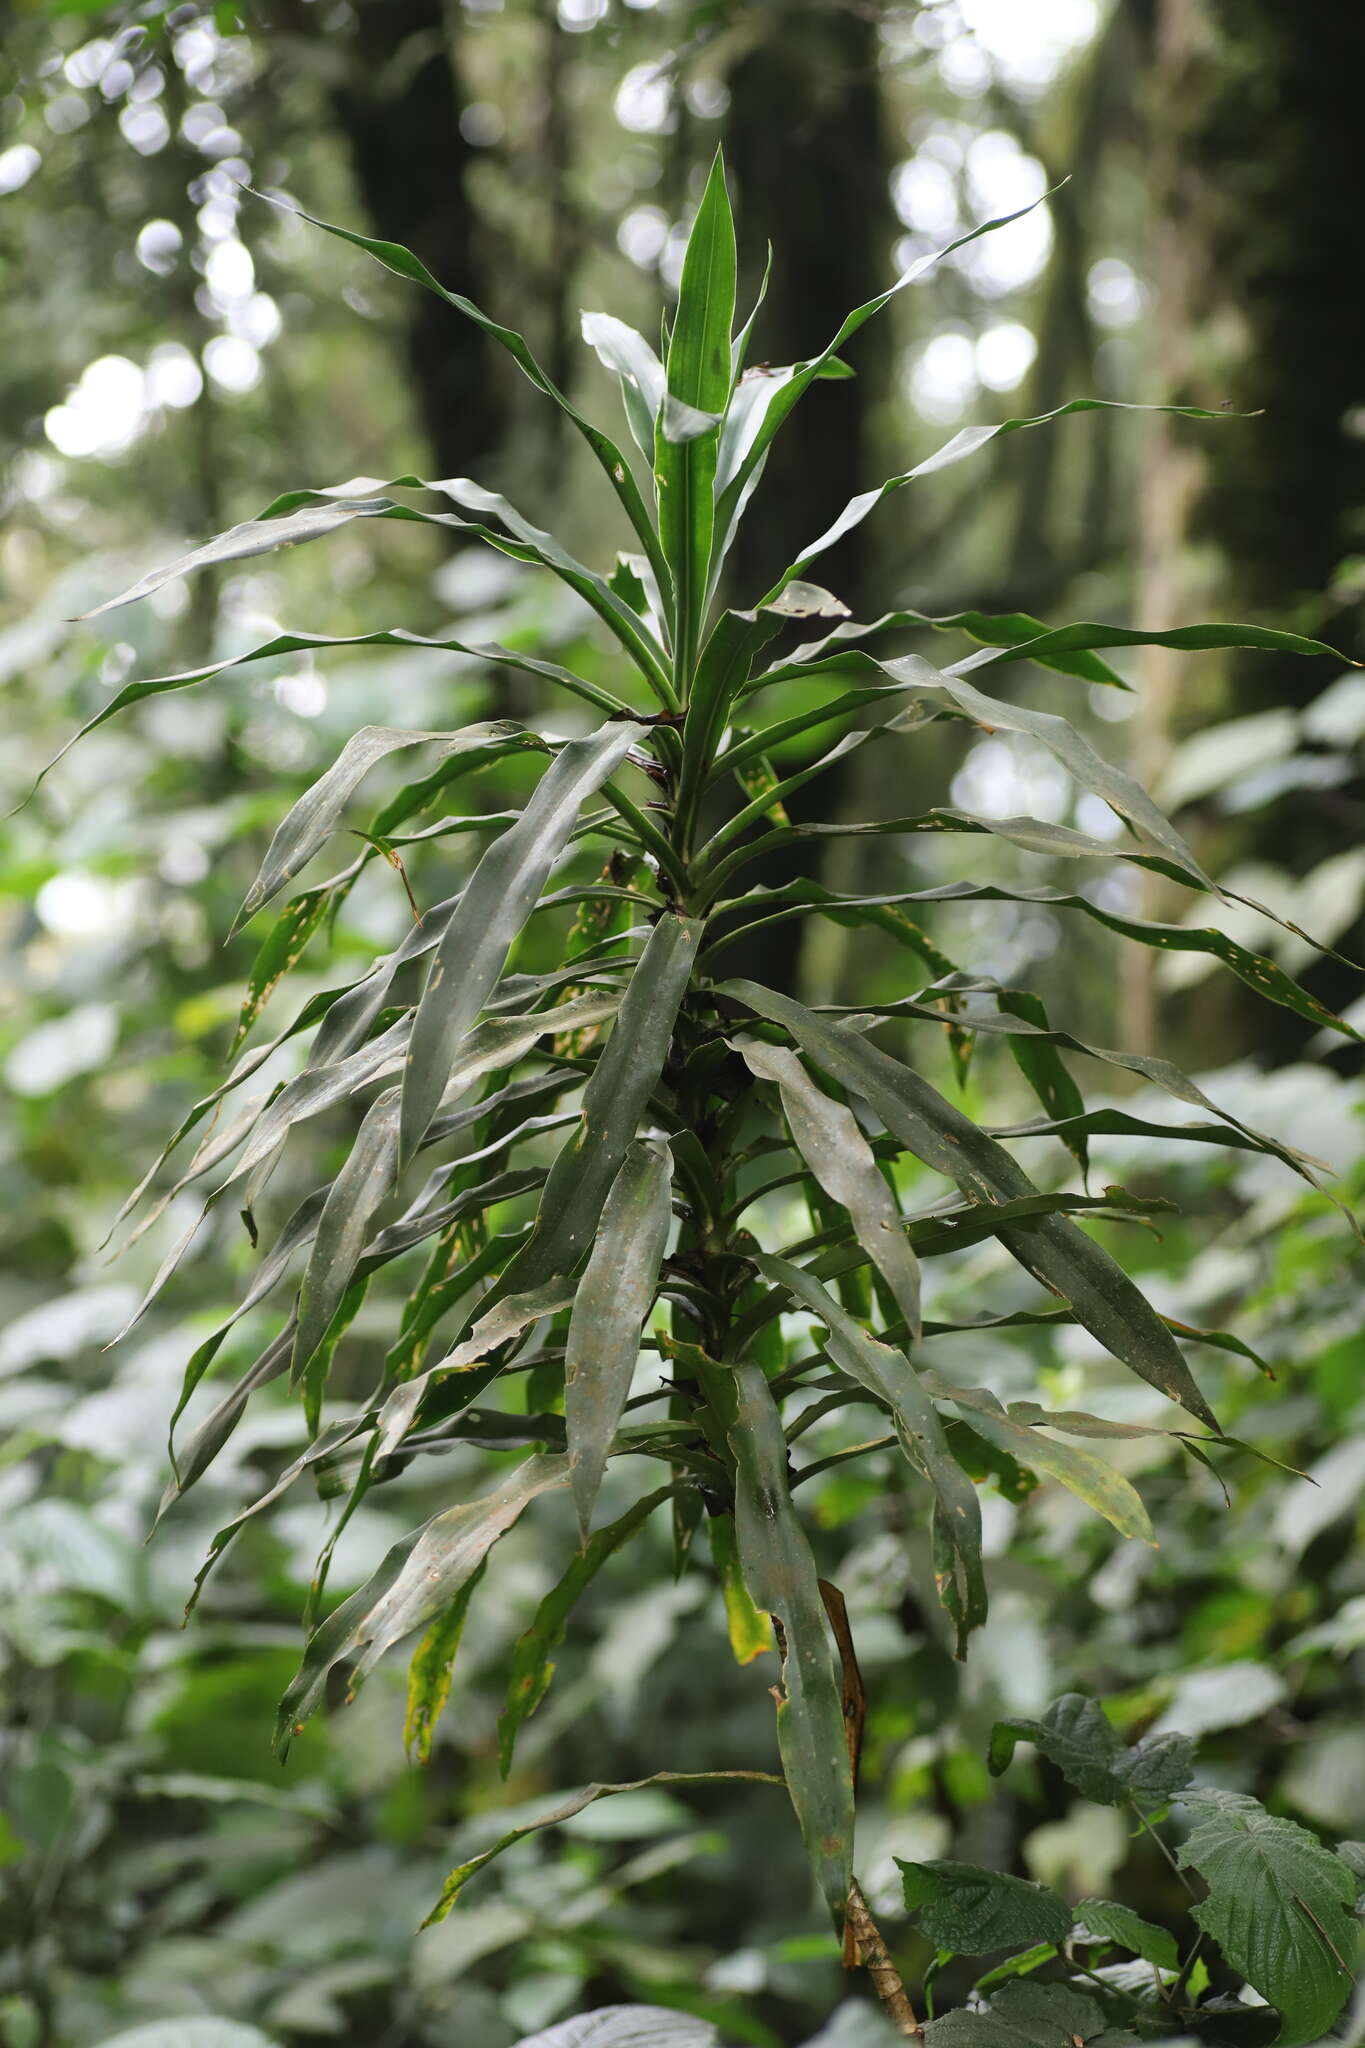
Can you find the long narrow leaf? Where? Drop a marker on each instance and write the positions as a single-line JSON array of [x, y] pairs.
[[419, 1575], [1053, 1248], [829, 1139], [493, 908], [893, 1379], [614, 1296]]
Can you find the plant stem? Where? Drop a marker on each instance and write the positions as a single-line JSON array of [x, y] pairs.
[[886, 1978]]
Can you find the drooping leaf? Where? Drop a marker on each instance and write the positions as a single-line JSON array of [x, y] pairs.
[[314, 817], [626, 1074], [432, 1669], [1104, 1920], [1053, 1248], [421, 1572], [1280, 1907], [1095, 1482], [613, 1299], [532, 1669], [829, 1140], [962, 444], [493, 907], [641, 374], [1076, 1736], [971, 1912], [779, 1571], [893, 1379], [609, 457], [750, 1629], [460, 1876], [364, 1182]]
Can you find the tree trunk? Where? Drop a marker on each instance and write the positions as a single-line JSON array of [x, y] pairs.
[[398, 99]]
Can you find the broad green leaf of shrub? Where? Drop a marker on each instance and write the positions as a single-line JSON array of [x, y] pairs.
[[1280, 1907], [1030, 2016], [972, 1912], [1075, 1735]]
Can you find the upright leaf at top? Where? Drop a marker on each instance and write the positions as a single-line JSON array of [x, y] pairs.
[[698, 372]]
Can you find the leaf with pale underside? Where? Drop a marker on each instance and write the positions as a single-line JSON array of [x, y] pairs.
[[891, 1377], [829, 1139], [613, 1299], [1104, 1299], [495, 904]]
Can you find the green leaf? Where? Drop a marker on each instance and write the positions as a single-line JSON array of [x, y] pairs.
[[775, 393], [420, 1574], [625, 1076], [1280, 1907], [313, 819], [998, 629], [532, 1669], [971, 1912], [628, 2026], [609, 457], [964, 443], [1026, 2015], [201, 2030], [1052, 1248], [460, 1876], [1162, 1073], [779, 1571], [629, 356], [431, 1670], [699, 375], [891, 1377], [749, 1628], [1103, 1920], [281, 949], [1079, 639], [830, 1141], [366, 1180], [494, 906], [1075, 1735], [614, 1297], [1098, 1484], [1042, 1066]]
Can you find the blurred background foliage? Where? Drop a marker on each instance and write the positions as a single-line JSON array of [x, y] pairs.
[[173, 353]]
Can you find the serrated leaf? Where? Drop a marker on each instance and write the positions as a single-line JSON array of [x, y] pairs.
[[493, 907], [1053, 1248], [613, 1299], [1075, 1735], [529, 1678], [1104, 1920], [1280, 1907], [829, 1139], [1028, 2015], [972, 1912], [891, 1377]]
